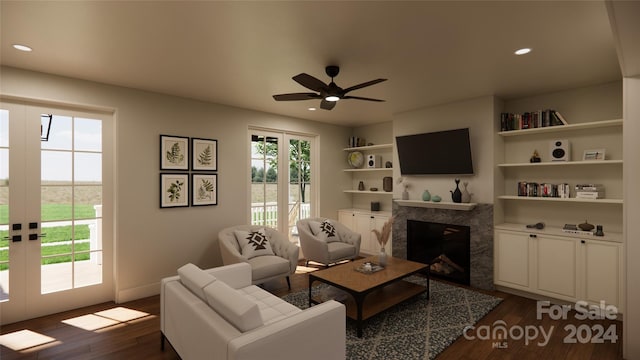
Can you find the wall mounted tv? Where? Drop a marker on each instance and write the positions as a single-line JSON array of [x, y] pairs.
[[442, 152]]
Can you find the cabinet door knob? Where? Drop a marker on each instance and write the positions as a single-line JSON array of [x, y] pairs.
[[533, 235], [583, 242]]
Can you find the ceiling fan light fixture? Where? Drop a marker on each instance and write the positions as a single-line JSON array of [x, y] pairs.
[[332, 98]]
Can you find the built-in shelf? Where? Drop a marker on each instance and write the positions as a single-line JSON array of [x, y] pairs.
[[370, 169], [369, 147], [608, 235], [564, 163], [534, 198], [368, 192], [570, 127], [436, 205]]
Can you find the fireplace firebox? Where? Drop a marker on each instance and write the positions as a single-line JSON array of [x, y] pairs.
[[445, 247]]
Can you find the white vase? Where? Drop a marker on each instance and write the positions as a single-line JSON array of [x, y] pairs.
[[382, 257], [405, 195]]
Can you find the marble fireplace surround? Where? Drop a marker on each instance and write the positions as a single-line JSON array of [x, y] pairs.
[[480, 221]]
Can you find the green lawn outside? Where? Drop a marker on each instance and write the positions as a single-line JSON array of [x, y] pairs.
[[55, 212], [64, 252]]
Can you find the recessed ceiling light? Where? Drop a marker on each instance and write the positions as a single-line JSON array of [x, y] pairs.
[[522, 51], [312, 109], [22, 47]]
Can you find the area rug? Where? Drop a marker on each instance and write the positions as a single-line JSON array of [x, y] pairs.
[[416, 329]]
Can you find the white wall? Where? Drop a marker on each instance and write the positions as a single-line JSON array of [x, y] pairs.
[[631, 179], [479, 116], [586, 104], [150, 242]]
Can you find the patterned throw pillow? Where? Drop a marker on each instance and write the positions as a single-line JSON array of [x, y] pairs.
[[324, 230], [253, 243]]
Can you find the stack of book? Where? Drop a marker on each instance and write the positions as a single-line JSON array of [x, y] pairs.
[[589, 191], [531, 120]]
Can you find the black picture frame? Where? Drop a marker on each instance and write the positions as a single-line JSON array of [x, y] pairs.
[[204, 189], [174, 190], [204, 154], [174, 152]]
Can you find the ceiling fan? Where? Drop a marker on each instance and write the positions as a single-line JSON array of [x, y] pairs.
[[330, 94]]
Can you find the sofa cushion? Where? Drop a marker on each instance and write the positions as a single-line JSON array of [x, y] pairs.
[[339, 250], [272, 308], [195, 279], [324, 230], [267, 266], [253, 243], [240, 311]]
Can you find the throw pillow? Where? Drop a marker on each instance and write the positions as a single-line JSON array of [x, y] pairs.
[[253, 243], [195, 279], [243, 313], [324, 230]]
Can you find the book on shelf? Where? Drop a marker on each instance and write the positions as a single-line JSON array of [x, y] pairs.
[[589, 194], [589, 187], [530, 120]]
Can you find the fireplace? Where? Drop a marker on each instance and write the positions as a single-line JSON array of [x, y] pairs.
[[445, 247]]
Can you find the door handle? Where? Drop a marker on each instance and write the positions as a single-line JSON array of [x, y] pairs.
[[36, 236]]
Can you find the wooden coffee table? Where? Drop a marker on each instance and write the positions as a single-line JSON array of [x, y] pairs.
[[372, 292]]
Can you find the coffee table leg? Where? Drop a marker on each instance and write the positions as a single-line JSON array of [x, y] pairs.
[[359, 302], [311, 279]]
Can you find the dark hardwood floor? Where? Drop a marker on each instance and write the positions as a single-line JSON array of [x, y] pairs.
[[140, 338]]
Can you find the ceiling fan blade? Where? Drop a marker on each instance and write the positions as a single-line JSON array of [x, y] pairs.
[[310, 82], [361, 98], [296, 96], [365, 84], [327, 105]]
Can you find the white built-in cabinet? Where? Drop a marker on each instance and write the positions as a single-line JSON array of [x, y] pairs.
[[363, 222], [551, 262], [568, 268]]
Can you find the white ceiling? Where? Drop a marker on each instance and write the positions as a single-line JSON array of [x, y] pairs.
[[240, 53]]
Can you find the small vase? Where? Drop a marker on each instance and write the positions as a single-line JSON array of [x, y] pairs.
[[382, 257], [456, 195], [361, 186], [466, 197], [426, 195], [405, 195]]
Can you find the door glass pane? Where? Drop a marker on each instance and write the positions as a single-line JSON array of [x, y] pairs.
[[87, 135], [71, 190], [56, 167], [264, 180], [60, 135], [87, 168], [299, 183], [4, 205]]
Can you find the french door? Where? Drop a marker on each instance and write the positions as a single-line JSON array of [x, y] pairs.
[[282, 186], [56, 188]]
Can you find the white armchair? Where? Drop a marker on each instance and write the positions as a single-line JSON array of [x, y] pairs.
[[281, 263], [317, 246]]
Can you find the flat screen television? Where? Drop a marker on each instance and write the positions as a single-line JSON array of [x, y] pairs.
[[441, 152]]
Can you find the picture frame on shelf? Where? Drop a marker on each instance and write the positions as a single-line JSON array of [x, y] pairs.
[[174, 152], [593, 155], [174, 190], [204, 189], [204, 154]]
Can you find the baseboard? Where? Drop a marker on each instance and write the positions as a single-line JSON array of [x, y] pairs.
[[138, 293]]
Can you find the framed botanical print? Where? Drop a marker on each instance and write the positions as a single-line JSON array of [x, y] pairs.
[[174, 152], [204, 189], [204, 154], [174, 190]]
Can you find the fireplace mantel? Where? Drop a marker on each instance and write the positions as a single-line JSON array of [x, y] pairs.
[[437, 205]]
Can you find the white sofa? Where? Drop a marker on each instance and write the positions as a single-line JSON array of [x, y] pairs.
[[218, 314]]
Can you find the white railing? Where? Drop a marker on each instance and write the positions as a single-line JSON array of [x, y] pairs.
[[267, 214]]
